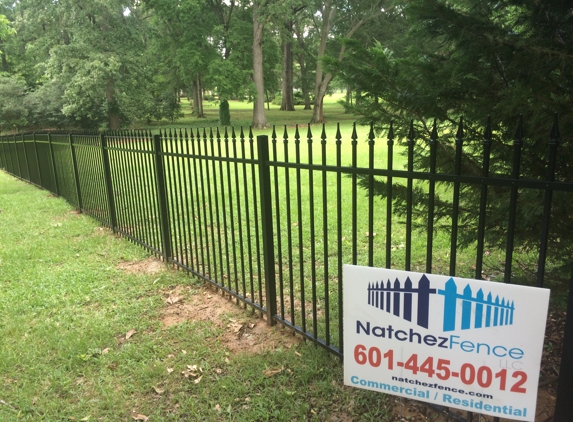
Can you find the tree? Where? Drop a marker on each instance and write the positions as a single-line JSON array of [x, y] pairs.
[[224, 114], [182, 45], [259, 115], [271, 65], [5, 30], [92, 49], [12, 110], [346, 17], [306, 60], [231, 69], [472, 59], [287, 103], [45, 107]]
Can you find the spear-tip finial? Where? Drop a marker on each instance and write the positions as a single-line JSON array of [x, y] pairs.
[[460, 132], [411, 133], [434, 135], [487, 134], [519, 130], [554, 136], [391, 132]]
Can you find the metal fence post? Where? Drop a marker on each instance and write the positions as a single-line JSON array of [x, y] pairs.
[[546, 218], [76, 173], [162, 197], [26, 158], [17, 158], [267, 227], [11, 157], [54, 172], [37, 160], [564, 404], [2, 155], [108, 183]]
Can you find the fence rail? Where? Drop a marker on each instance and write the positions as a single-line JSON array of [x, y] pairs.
[[271, 222]]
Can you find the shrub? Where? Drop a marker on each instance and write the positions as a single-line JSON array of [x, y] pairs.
[[224, 114]]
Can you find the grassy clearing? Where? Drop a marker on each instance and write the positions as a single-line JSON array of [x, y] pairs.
[[66, 306], [242, 115]]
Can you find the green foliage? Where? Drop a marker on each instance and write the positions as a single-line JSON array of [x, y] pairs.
[[45, 106], [474, 59], [298, 98], [94, 51], [13, 112], [224, 113], [5, 28], [271, 64], [166, 105], [228, 79]]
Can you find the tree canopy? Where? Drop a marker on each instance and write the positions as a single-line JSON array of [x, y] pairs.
[[447, 59], [110, 63]]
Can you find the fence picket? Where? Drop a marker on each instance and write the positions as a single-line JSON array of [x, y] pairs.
[[162, 198], [267, 228]]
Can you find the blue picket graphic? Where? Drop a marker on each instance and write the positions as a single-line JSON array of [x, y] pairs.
[[397, 300], [498, 311], [390, 298]]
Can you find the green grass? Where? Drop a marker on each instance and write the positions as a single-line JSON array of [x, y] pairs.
[[242, 115], [65, 308]]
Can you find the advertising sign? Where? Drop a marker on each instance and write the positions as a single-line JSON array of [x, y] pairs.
[[461, 343]]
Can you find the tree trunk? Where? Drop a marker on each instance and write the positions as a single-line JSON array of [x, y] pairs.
[[259, 115], [200, 110], [320, 92], [4, 63], [287, 82], [303, 71], [197, 97], [348, 98], [322, 80], [113, 109], [195, 102]]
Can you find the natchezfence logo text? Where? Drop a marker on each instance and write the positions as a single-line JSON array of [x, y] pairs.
[[456, 342], [480, 311]]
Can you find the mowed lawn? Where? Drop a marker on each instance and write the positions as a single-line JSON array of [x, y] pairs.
[[92, 328], [242, 115]]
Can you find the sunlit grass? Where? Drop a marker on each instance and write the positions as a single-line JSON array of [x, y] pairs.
[[65, 309]]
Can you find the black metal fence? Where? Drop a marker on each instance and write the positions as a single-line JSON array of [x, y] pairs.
[[271, 222]]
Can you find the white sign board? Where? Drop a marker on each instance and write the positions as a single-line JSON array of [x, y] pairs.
[[461, 343]]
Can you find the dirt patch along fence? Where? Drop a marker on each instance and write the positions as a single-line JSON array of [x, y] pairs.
[[271, 221]]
